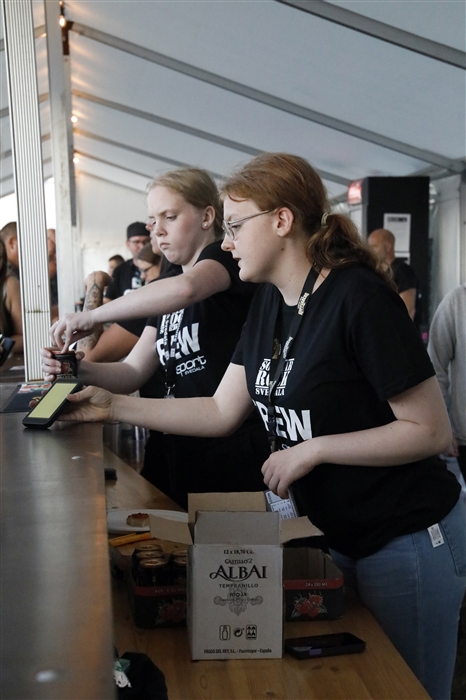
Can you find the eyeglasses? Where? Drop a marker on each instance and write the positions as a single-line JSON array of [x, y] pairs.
[[144, 270], [231, 228], [138, 240]]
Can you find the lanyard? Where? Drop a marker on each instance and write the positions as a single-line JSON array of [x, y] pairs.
[[170, 344], [279, 355]]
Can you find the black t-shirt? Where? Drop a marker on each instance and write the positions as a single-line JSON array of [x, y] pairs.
[[355, 349], [154, 388], [403, 275], [126, 278], [206, 336], [405, 278]]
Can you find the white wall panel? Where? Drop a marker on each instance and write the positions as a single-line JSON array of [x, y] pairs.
[[104, 211]]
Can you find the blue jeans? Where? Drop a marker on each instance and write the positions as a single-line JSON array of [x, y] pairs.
[[415, 592]]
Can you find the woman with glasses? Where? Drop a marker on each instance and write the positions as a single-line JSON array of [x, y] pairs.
[[333, 363], [195, 322], [149, 263]]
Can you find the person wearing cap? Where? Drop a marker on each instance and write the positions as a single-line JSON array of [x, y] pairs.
[[127, 276]]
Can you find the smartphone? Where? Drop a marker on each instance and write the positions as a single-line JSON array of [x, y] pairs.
[[7, 345], [324, 645], [285, 506], [51, 404]]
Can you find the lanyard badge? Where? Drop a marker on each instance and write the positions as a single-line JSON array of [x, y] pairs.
[[170, 341], [279, 356]]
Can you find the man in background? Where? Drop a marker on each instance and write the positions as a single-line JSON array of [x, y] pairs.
[[113, 262], [382, 242], [9, 236], [127, 276]]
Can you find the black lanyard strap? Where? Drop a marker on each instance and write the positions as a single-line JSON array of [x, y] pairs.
[[280, 355], [170, 342]]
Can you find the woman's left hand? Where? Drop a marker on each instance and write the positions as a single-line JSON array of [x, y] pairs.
[[286, 466]]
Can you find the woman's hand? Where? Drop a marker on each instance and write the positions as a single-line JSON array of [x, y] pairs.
[[72, 327], [52, 367], [90, 405], [286, 466]]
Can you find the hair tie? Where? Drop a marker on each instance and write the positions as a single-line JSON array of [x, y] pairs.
[[323, 220]]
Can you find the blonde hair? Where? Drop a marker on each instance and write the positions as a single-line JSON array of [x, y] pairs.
[[197, 187], [273, 180]]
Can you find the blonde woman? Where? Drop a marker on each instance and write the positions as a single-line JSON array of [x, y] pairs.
[[195, 322]]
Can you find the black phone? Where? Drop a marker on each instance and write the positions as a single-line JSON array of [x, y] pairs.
[[51, 404], [324, 645], [7, 345]]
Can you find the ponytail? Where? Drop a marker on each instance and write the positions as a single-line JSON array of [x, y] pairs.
[[337, 244]]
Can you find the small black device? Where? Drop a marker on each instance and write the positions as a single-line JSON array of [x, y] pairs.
[[324, 645], [7, 345], [51, 404], [110, 474]]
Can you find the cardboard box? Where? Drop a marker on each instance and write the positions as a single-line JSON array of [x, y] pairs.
[[313, 586], [235, 561]]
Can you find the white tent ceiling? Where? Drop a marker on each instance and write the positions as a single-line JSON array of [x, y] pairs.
[[211, 83]]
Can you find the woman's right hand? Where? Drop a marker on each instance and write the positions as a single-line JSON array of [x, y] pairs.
[[52, 367], [72, 327], [90, 405]]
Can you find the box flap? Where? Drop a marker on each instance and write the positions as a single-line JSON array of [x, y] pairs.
[[251, 501], [171, 530], [295, 528], [237, 528]]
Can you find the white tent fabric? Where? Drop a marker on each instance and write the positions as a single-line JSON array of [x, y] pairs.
[[211, 83], [137, 117]]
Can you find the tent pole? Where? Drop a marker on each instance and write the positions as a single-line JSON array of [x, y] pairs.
[[29, 183], [68, 255]]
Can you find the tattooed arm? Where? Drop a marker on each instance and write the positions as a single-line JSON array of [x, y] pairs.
[[95, 284]]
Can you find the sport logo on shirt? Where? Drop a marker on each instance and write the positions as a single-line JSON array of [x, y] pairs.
[[262, 378]]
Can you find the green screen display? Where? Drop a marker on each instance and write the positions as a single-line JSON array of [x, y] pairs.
[[52, 400]]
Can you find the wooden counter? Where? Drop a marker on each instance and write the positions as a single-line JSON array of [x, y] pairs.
[[379, 673], [56, 627], [55, 624]]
